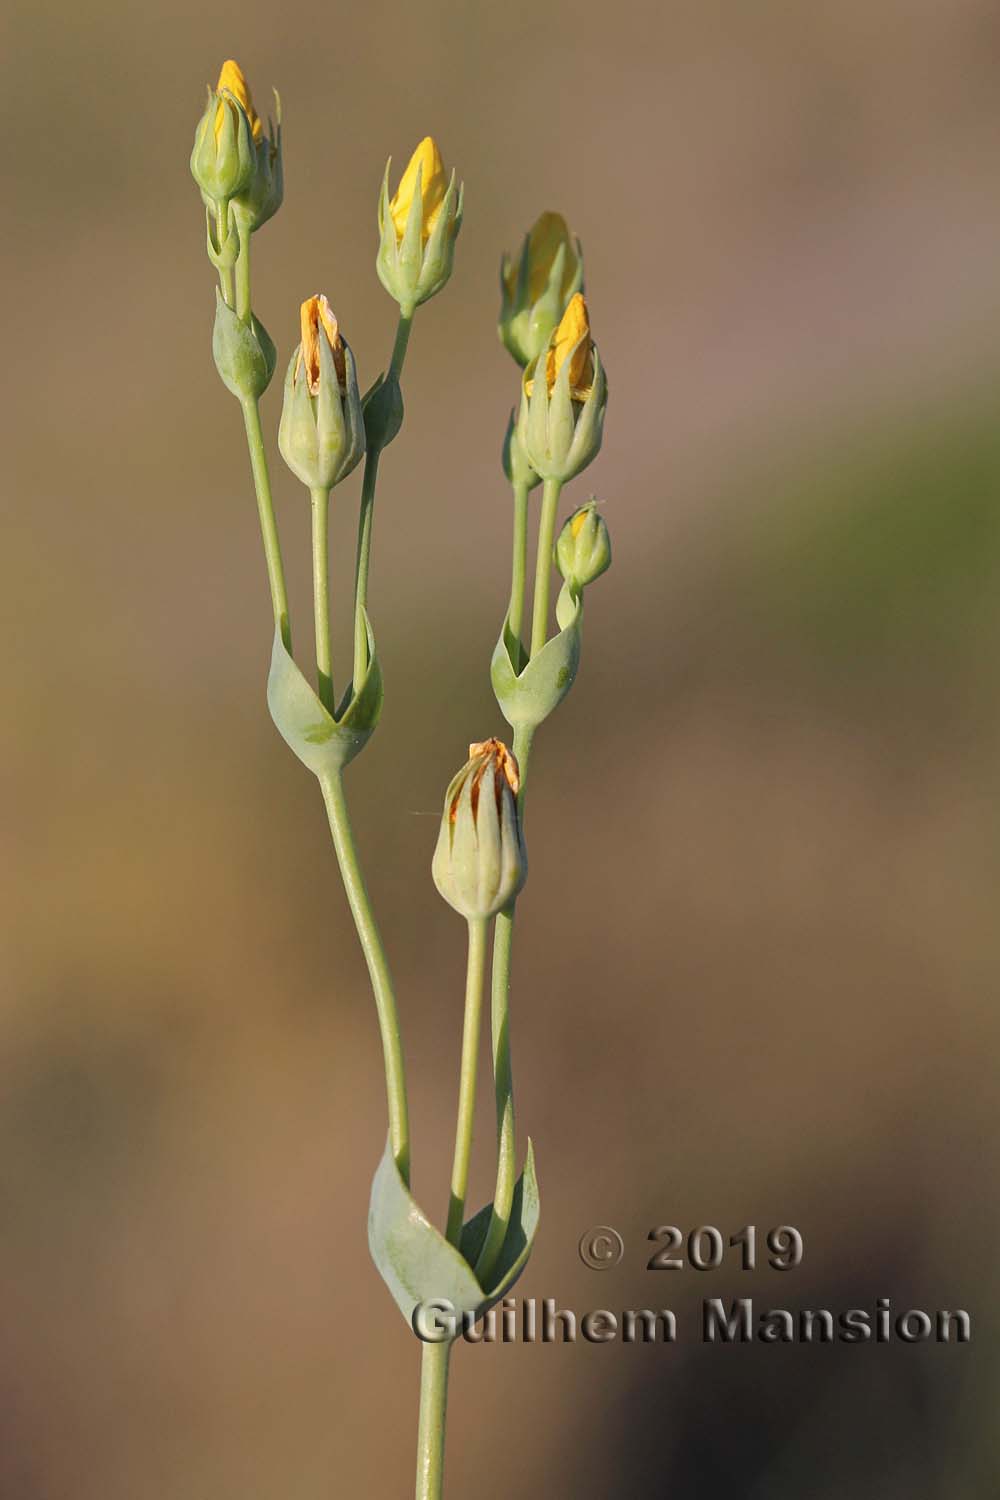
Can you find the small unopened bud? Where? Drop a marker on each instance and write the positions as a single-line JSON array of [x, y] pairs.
[[418, 227], [564, 394], [224, 155], [480, 862], [322, 431], [583, 551], [244, 353], [537, 288], [263, 196]]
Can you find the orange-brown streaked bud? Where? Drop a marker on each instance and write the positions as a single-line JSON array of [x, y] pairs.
[[321, 435], [232, 80], [480, 862], [318, 320], [492, 756]]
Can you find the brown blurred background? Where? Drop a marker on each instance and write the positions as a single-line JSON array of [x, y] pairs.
[[756, 971]]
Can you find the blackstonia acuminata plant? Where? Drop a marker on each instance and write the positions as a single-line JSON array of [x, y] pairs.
[[327, 427]]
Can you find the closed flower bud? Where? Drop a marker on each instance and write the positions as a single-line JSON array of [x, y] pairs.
[[480, 862], [232, 80], [537, 288], [564, 394], [224, 157], [244, 354], [263, 196], [418, 227], [322, 431], [583, 551]]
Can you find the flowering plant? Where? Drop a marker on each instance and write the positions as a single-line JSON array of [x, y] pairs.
[[327, 428]]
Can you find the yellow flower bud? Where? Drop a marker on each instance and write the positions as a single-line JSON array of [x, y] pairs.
[[425, 162], [318, 320], [224, 157], [233, 81], [571, 341], [417, 228], [547, 233], [583, 551], [561, 418], [538, 285]]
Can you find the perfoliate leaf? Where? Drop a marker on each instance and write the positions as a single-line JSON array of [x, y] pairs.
[[418, 1264], [321, 741], [527, 697]]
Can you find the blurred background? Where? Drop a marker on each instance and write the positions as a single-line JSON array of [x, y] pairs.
[[756, 967]]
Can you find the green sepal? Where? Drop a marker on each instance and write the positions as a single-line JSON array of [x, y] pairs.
[[222, 253], [382, 405], [418, 1264], [244, 353], [514, 459], [324, 742], [528, 692]]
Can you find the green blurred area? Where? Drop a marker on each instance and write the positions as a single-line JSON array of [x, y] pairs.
[[756, 966]]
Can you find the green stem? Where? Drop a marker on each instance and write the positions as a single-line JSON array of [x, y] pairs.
[[543, 564], [378, 967], [221, 234], [401, 342], [519, 566], [268, 524], [503, 936], [321, 593], [243, 272], [503, 942], [433, 1409], [524, 738], [467, 1084], [365, 519]]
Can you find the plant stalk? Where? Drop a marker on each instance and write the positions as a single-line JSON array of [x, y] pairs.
[[366, 517], [378, 966], [434, 1362], [321, 594], [401, 343], [467, 1083], [503, 1077], [543, 564], [225, 272], [243, 273], [519, 566], [268, 523]]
